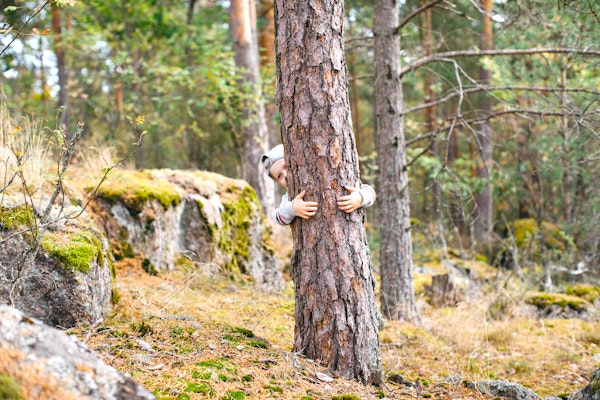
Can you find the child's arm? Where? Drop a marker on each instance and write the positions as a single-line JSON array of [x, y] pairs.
[[357, 198], [288, 210]]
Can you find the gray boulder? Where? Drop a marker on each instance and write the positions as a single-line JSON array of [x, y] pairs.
[[503, 388], [592, 390], [40, 362], [69, 281], [164, 216]]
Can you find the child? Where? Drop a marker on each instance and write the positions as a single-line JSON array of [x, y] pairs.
[[288, 210]]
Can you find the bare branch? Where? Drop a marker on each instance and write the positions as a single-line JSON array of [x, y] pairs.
[[478, 88], [479, 53], [20, 31], [416, 12]]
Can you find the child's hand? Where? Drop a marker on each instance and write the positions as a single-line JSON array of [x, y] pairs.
[[304, 209], [350, 202]]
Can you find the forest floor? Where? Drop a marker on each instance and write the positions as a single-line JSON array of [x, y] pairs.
[[189, 335]]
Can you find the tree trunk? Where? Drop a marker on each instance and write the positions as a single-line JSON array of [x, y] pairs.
[[337, 321], [397, 292], [483, 198], [266, 41], [430, 114], [351, 56], [59, 52], [564, 130], [256, 141], [444, 291]]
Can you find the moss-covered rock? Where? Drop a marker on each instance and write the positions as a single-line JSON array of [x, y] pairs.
[[585, 291], [135, 188], [77, 251], [545, 301], [163, 215], [17, 217], [69, 280]]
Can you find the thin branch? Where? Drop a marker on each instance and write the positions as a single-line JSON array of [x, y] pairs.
[[20, 32], [416, 12], [477, 89], [478, 53]]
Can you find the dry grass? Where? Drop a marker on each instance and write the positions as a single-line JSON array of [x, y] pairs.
[[218, 339], [24, 148]]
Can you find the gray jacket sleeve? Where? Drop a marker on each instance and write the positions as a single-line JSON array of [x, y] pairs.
[[284, 214]]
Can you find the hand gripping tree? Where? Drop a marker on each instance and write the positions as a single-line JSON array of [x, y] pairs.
[[337, 321]]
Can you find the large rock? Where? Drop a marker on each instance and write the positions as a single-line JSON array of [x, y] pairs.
[[69, 281], [40, 362], [165, 216], [592, 390]]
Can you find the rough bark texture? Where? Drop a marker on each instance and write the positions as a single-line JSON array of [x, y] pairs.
[[336, 318], [256, 140], [397, 292]]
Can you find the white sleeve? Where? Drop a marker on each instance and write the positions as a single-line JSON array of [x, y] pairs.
[[284, 214], [368, 194]]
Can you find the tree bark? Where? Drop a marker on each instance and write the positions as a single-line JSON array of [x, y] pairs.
[[256, 140], [484, 199], [337, 321], [397, 292], [430, 112]]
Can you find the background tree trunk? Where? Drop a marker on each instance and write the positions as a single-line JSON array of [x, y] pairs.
[[256, 140], [397, 292], [484, 198], [59, 52], [430, 114], [337, 321]]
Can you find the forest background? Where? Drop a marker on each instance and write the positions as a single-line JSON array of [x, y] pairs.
[[107, 62], [502, 131]]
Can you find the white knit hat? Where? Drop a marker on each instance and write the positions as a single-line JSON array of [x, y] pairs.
[[276, 153]]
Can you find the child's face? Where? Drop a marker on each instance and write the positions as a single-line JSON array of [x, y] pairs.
[[279, 173]]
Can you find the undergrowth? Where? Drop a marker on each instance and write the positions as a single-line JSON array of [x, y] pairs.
[[186, 335]]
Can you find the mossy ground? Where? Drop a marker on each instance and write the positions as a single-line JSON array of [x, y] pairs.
[[211, 340]]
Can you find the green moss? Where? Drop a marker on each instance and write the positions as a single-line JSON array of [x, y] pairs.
[[115, 296], [546, 300], [202, 387], [76, 251], [257, 344], [134, 188], [587, 292], [273, 388], [142, 328], [234, 395], [239, 204], [10, 389], [122, 250], [527, 235], [149, 267], [345, 397], [12, 218], [243, 331]]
